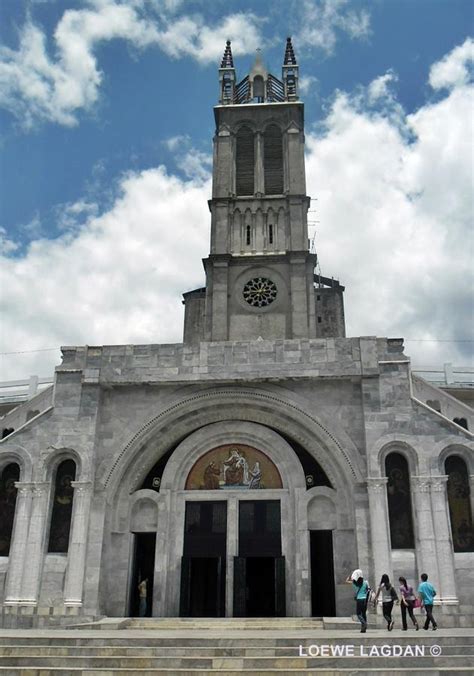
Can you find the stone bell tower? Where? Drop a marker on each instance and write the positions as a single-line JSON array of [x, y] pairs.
[[260, 279]]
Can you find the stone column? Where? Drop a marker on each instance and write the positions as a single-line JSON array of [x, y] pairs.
[[35, 545], [379, 527], [73, 586], [232, 550], [425, 535], [471, 491], [19, 540], [444, 547], [259, 184]]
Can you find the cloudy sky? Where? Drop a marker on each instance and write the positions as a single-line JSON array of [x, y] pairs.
[[106, 127]]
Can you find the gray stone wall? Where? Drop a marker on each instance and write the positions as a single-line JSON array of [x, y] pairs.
[[117, 409]]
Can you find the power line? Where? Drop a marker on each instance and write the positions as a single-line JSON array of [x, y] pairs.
[[44, 349], [435, 340]]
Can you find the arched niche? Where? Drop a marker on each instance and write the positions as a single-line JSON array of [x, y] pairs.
[[459, 499], [244, 161], [399, 501], [322, 512], [8, 492], [144, 514], [61, 513]]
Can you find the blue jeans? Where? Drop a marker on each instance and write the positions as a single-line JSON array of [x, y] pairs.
[[361, 611], [142, 607], [429, 616], [387, 608]]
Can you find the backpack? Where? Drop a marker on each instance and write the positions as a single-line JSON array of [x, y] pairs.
[[370, 597]]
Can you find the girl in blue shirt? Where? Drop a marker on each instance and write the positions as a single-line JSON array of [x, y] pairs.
[[361, 589]]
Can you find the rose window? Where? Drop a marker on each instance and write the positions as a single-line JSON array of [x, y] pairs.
[[260, 292]]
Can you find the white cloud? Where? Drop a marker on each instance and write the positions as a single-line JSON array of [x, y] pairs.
[[380, 87], [175, 142], [35, 86], [195, 165], [190, 36], [321, 21], [307, 84], [394, 205], [455, 69], [395, 209], [118, 279], [7, 245]]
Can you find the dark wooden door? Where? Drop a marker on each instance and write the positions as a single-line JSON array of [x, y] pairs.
[[280, 587], [240, 586]]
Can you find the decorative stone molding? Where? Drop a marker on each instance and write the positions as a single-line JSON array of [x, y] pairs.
[[420, 484], [438, 483], [81, 487], [377, 484], [342, 458]]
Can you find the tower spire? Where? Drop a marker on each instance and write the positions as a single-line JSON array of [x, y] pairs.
[[290, 73], [227, 77], [290, 59], [227, 59]]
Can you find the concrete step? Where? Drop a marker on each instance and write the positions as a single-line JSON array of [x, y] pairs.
[[257, 664], [438, 671], [187, 651], [234, 651]]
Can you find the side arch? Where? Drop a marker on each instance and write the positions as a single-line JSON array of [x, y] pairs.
[[395, 445], [462, 450], [21, 456]]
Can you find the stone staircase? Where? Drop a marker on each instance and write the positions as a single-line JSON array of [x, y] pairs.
[[259, 646]]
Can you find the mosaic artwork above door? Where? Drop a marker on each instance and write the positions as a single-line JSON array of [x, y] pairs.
[[233, 466]]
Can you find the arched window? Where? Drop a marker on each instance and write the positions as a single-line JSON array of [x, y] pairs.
[[399, 502], [270, 234], [245, 162], [459, 504], [273, 160], [462, 422], [8, 491], [434, 404], [62, 508], [248, 238]]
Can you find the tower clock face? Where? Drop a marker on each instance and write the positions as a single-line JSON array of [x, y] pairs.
[[260, 292]]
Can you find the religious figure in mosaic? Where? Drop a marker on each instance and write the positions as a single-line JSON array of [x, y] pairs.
[[233, 466], [235, 469], [256, 476], [211, 476]]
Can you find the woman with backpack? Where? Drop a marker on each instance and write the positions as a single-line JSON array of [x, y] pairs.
[[389, 596], [361, 592], [407, 603]]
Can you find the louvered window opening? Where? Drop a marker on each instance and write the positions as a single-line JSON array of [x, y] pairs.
[[245, 162], [273, 160]]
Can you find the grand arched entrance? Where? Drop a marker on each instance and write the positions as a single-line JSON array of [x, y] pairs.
[[208, 557], [237, 528]]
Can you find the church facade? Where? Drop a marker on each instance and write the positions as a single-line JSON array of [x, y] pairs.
[[247, 470]]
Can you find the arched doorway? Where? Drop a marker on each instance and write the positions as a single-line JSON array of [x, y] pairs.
[[171, 494]]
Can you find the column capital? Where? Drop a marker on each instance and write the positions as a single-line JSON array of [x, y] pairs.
[[40, 488], [438, 483], [81, 487], [24, 487], [377, 484], [420, 484]]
